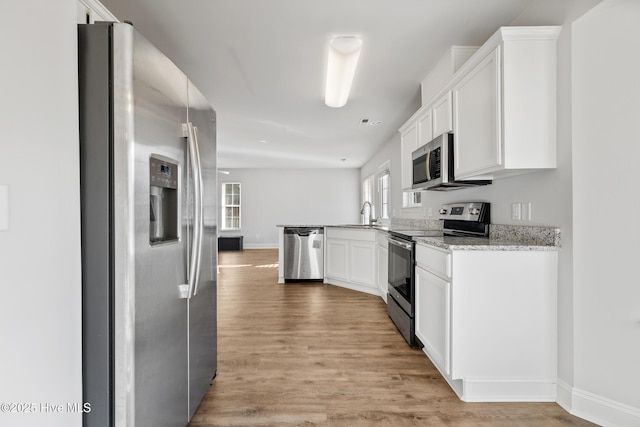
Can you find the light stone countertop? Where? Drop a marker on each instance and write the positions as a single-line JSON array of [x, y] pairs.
[[501, 238], [483, 244]]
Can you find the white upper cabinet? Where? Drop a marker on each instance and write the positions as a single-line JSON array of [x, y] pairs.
[[477, 136], [504, 105], [427, 123], [500, 105], [442, 116], [425, 129], [408, 144]]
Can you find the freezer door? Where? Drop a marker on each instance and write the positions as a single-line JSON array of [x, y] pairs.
[[202, 304], [154, 316], [160, 108]]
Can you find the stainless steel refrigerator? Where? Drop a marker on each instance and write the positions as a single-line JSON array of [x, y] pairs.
[[149, 258]]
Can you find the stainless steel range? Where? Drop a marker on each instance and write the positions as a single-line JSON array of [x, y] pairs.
[[469, 219]]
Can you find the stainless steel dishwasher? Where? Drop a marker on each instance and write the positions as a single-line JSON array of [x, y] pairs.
[[303, 254]]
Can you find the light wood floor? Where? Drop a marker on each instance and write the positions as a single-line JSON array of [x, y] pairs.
[[321, 355]]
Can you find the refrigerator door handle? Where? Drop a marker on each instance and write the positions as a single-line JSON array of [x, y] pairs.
[[199, 210], [194, 160]]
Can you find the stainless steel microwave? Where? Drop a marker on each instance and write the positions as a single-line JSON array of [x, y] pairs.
[[433, 167]]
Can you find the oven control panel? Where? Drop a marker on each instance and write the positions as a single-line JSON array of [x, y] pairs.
[[467, 211]]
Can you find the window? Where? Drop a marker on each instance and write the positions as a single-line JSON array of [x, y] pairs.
[[231, 206], [376, 190], [411, 199], [367, 188], [384, 200]]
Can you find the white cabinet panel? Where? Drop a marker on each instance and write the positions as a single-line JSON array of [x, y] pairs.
[[382, 251], [442, 115], [408, 144], [425, 128], [362, 262], [383, 271], [433, 318], [435, 260], [351, 258], [337, 260], [477, 136], [351, 234]]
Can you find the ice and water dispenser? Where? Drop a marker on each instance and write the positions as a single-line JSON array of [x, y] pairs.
[[163, 194]]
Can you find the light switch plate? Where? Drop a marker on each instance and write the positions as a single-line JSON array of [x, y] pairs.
[[4, 208], [516, 213], [526, 211]]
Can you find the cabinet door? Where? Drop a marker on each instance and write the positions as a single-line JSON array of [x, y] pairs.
[[383, 269], [477, 119], [425, 131], [337, 262], [433, 317], [362, 259], [408, 144], [442, 115]]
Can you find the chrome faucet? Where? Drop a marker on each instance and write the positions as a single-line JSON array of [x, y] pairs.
[[371, 220]]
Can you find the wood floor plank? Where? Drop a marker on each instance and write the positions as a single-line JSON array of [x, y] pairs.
[[321, 355]]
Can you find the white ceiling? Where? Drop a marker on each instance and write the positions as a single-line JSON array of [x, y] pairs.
[[261, 64]]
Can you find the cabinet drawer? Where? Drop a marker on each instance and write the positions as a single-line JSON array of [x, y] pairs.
[[434, 260], [350, 234]]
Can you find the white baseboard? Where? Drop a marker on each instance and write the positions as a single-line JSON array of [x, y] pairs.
[[597, 409], [509, 390], [353, 286], [564, 395]]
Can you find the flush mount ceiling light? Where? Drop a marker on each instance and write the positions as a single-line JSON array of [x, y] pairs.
[[344, 52]]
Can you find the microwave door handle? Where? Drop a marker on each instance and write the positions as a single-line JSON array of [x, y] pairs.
[[428, 165]]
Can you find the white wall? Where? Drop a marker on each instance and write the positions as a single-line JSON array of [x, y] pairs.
[[40, 307], [273, 197], [606, 113]]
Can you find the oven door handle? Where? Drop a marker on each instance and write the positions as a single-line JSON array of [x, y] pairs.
[[400, 243]]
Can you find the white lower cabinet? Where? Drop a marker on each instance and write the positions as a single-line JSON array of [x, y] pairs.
[[433, 319], [362, 257], [383, 264], [337, 260], [487, 319], [351, 259]]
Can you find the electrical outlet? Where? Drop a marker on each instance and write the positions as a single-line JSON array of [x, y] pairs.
[[516, 212]]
